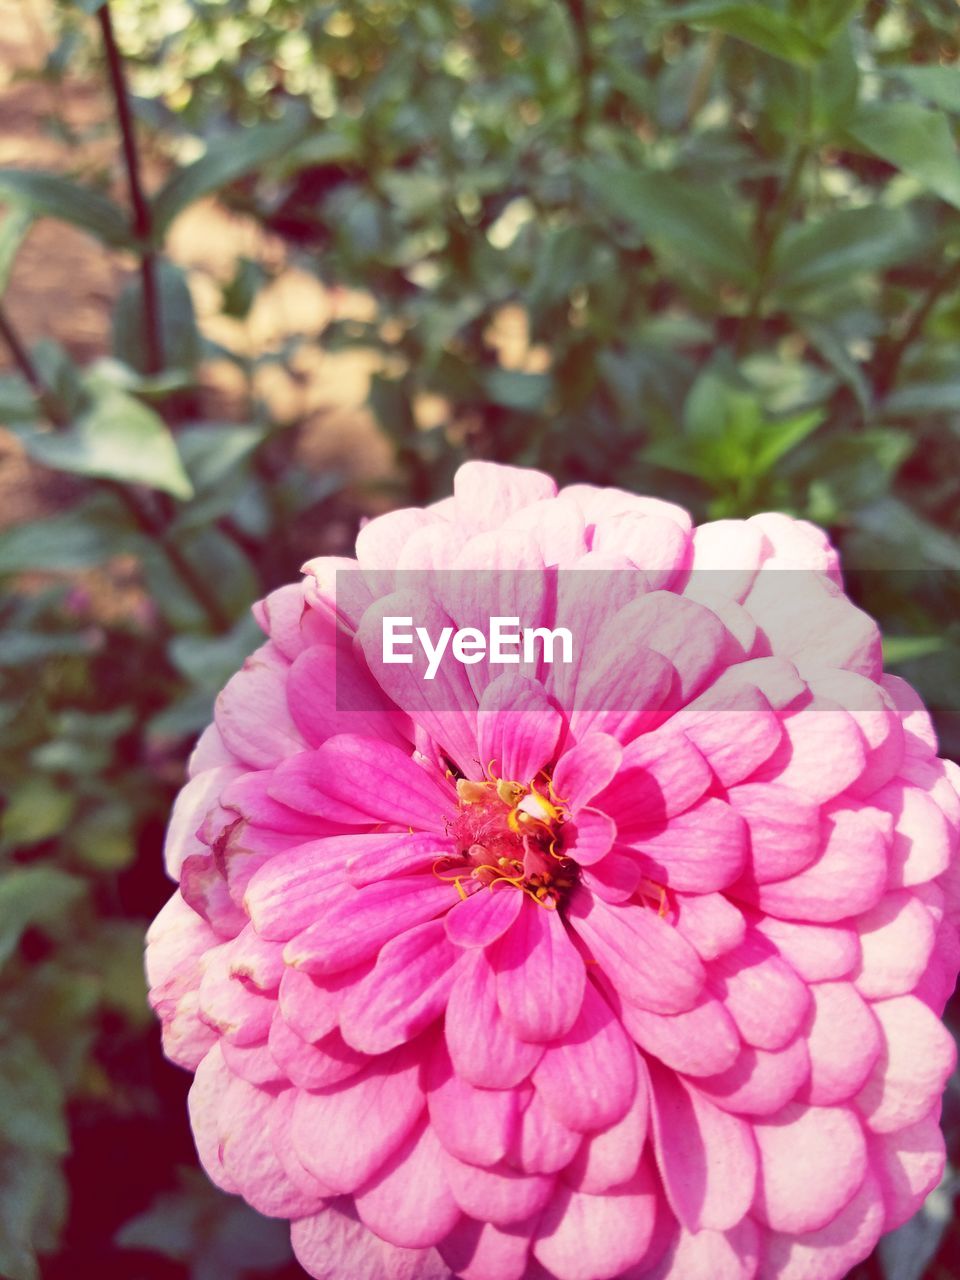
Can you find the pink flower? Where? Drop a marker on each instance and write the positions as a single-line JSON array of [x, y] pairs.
[[626, 969]]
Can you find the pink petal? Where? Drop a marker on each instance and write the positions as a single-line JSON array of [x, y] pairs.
[[922, 840], [353, 779], [482, 1251], [540, 975], [706, 1156], [908, 1164], [500, 1194], [285, 894], [353, 924], [588, 1079], [622, 690], [344, 1135], [483, 917], [408, 1202], [848, 877], [710, 923], [702, 1041], [311, 1005], [486, 493], [821, 754], [712, 1255], [284, 616], [699, 851], [383, 856], [813, 1161], [586, 769], [201, 794], [843, 1042], [610, 1157], [586, 1237], [784, 829], [329, 692], [657, 545], [482, 1047], [815, 952], [661, 775], [734, 727], [645, 958], [760, 1081], [206, 1094], [589, 837], [517, 728], [762, 994], [252, 713], [404, 992], [835, 1248], [320, 1065], [475, 1125], [332, 1244], [541, 1143], [896, 939], [249, 1156], [917, 1056], [238, 1013]]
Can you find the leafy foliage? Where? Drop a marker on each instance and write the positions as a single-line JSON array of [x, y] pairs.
[[707, 250]]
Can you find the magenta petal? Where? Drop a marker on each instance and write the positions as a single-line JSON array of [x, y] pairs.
[[408, 1203], [589, 837], [353, 924], [645, 958], [517, 728], [760, 1081], [610, 1157], [356, 780], [330, 693], [760, 991], [588, 1079], [784, 829], [403, 993], [344, 1135], [662, 775], [381, 857], [710, 1173], [483, 1048], [284, 895], [586, 769], [701, 1041], [482, 1251], [541, 1142], [540, 975], [699, 851], [483, 917]]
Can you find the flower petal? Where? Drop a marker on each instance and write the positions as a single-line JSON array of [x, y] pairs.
[[482, 1047], [540, 975]]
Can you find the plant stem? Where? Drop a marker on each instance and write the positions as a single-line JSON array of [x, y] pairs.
[[142, 217], [769, 231], [580, 21], [142, 511], [21, 358], [887, 362]]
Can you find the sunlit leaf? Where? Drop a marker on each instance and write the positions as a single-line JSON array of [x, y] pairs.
[[916, 139]]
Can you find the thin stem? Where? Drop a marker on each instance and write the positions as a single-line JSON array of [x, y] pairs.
[[142, 217], [21, 358], [889, 359], [142, 512], [768, 233]]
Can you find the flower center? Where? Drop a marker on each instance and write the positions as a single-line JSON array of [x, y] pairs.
[[510, 833]]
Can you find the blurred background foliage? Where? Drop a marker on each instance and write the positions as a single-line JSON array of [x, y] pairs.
[[706, 250]]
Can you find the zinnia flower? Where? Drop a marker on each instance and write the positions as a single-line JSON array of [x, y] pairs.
[[631, 968]]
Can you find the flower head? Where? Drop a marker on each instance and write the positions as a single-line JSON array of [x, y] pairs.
[[630, 966]]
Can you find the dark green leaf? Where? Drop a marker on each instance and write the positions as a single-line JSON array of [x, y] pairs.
[[51, 195], [87, 535], [32, 1208], [814, 255], [916, 140], [31, 1100], [689, 220], [30, 896], [180, 339], [758, 24], [227, 159], [118, 438]]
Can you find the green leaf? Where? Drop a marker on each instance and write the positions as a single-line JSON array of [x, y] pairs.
[[939, 85], [12, 232], [31, 1100], [36, 810], [51, 195], [778, 438], [916, 139], [898, 649], [118, 438], [179, 335], [88, 534], [814, 255], [33, 1197], [227, 159], [35, 895], [758, 24], [689, 220], [515, 389]]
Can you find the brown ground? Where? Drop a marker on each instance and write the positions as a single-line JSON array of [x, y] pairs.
[[64, 284]]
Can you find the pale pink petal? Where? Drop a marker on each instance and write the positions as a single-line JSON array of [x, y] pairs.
[[813, 1161], [830, 1252], [656, 544], [733, 726], [702, 1041], [699, 851], [247, 1149], [760, 991], [381, 540], [662, 774], [475, 1125], [917, 1056], [486, 493], [206, 1093], [784, 829], [610, 1157], [586, 1237], [816, 952], [822, 752], [711, 1255], [922, 839], [408, 1202], [252, 713], [710, 923], [896, 940], [908, 1164], [500, 1195], [518, 728], [345, 1134], [329, 692], [843, 1041], [710, 1174], [760, 1081], [332, 1244]]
